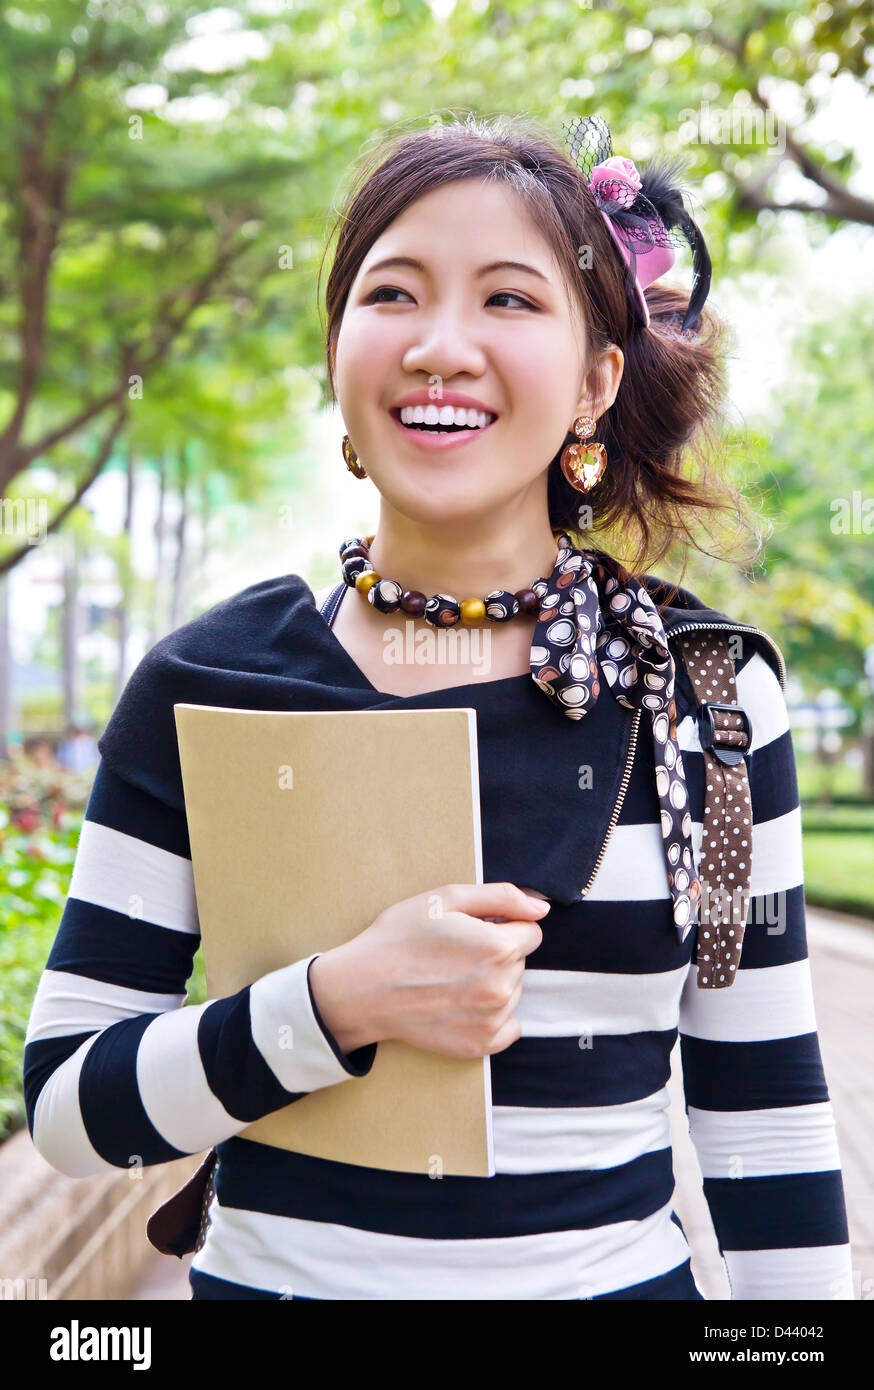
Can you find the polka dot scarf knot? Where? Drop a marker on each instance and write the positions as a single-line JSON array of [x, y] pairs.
[[595, 616]]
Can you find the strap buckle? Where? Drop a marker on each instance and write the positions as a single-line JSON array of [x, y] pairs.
[[729, 754]]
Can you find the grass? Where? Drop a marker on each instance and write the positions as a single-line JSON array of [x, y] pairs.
[[818, 780], [839, 870], [838, 838], [37, 867]]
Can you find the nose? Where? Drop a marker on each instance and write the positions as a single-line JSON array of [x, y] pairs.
[[443, 345]]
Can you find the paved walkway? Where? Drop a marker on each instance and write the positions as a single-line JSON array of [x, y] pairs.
[[842, 962], [842, 952], [168, 1279]]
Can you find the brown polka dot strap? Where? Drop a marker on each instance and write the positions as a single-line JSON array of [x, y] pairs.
[[724, 870], [179, 1225]]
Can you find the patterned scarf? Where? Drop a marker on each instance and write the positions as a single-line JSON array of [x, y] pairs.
[[592, 608]]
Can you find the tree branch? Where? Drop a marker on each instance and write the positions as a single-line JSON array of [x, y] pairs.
[[841, 203], [42, 199], [139, 358], [8, 562]]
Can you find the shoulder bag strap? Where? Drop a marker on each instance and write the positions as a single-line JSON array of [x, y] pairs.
[[329, 608], [726, 735]]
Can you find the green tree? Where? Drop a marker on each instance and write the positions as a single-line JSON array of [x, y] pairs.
[[156, 199]]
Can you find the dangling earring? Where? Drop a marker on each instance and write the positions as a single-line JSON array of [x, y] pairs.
[[583, 464], [351, 458]]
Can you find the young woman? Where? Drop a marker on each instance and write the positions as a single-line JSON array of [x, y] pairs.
[[490, 303]]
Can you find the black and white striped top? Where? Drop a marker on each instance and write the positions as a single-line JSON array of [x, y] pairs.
[[116, 1070]]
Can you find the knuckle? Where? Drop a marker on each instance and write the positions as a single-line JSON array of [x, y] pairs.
[[466, 1047], [495, 990], [488, 996], [499, 949]]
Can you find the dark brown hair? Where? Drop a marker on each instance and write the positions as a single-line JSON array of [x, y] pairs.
[[666, 414]]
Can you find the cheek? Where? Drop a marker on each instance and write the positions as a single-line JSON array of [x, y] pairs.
[[365, 366], [545, 386], [351, 352]]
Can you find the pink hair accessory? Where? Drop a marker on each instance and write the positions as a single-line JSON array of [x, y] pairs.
[[616, 184], [643, 211], [617, 178]]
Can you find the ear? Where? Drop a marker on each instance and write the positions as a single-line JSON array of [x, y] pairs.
[[601, 383]]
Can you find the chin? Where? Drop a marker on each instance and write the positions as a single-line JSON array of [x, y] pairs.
[[437, 497]]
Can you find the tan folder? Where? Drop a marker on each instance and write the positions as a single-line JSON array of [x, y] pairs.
[[304, 826]]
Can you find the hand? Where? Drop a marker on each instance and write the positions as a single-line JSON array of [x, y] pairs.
[[441, 971]]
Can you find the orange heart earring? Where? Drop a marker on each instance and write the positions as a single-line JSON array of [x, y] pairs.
[[583, 464]]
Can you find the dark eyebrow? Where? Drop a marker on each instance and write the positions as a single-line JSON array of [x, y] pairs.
[[483, 270]]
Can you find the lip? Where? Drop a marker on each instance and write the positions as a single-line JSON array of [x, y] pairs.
[[433, 443], [422, 396]]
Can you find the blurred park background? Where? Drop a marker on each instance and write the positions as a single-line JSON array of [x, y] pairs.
[[169, 173]]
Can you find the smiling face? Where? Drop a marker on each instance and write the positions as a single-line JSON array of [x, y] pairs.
[[459, 329]]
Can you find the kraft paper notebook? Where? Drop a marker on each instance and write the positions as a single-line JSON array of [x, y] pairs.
[[304, 826]]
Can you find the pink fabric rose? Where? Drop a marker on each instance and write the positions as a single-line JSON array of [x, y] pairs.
[[616, 170]]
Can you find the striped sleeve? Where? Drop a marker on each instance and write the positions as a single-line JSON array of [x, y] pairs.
[[116, 1071], [757, 1103]]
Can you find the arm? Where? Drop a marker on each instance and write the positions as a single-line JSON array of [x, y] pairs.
[[115, 1069], [757, 1102]]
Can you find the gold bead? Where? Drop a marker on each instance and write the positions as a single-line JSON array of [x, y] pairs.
[[473, 610], [365, 581]]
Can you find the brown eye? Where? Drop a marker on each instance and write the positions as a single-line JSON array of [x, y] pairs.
[[384, 289], [505, 294]]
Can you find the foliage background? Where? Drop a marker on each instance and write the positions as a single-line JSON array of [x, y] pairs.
[[168, 176]]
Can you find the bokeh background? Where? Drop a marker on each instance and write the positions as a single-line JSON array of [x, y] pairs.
[[168, 178]]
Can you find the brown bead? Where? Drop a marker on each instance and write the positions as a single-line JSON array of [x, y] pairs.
[[527, 600], [413, 602], [447, 617], [354, 550]]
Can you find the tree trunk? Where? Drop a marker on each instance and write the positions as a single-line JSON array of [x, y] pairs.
[[125, 578], [5, 668], [868, 752], [159, 550], [204, 523], [179, 569], [70, 629]]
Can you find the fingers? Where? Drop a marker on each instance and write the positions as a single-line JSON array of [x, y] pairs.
[[489, 900]]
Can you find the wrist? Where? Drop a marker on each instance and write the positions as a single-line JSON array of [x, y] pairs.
[[345, 999]]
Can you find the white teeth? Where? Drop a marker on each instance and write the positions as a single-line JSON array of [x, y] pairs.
[[446, 415]]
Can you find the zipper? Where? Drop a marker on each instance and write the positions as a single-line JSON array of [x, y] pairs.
[[623, 787], [632, 743], [739, 627]]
